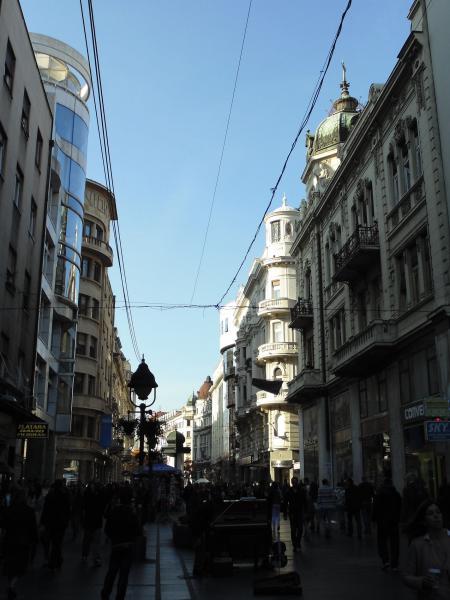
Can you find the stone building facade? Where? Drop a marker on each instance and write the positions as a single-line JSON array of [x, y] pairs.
[[84, 452], [372, 255], [25, 147]]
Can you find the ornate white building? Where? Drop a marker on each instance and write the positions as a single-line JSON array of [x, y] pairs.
[[266, 357], [372, 255]]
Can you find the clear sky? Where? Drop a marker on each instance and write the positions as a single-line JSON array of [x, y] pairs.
[[168, 68]]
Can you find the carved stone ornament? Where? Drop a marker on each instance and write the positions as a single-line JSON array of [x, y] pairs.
[[399, 132], [334, 230], [418, 84]]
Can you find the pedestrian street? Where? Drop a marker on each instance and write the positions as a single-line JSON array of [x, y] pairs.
[[330, 570]]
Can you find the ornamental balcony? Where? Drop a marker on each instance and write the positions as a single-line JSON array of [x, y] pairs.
[[360, 251], [306, 385], [301, 314], [267, 400], [366, 351], [275, 306], [100, 248], [267, 352]]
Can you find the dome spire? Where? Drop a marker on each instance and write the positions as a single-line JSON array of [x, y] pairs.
[[345, 84], [345, 102]]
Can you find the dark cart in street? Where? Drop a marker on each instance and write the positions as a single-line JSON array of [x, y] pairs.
[[239, 532]]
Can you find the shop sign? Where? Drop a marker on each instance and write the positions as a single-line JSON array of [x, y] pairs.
[[32, 431], [428, 407], [437, 431]]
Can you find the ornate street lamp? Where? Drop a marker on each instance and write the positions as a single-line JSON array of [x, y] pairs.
[[142, 381]]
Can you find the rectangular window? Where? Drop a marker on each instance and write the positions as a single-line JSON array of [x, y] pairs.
[[78, 383], [226, 325], [432, 371], [83, 301], [10, 67], [25, 120], [382, 393], [362, 310], [406, 168], [3, 142], [337, 328], [401, 281], [11, 268], [91, 427], [26, 291], [18, 188], [395, 187], [85, 267], [81, 344], [309, 353], [97, 271], [414, 266], [277, 332], [95, 309], [275, 290], [38, 153], [405, 381], [417, 152], [427, 269], [77, 425], [93, 347], [33, 218], [87, 228], [275, 231], [91, 385]]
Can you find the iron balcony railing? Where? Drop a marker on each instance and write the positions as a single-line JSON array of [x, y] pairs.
[[364, 237], [301, 313]]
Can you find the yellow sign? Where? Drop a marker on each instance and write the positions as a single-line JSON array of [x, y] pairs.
[[29, 431]]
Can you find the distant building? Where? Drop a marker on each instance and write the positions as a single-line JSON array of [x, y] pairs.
[[266, 356], [25, 147], [201, 461], [182, 421]]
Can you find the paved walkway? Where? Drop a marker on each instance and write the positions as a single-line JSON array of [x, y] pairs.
[[335, 569]]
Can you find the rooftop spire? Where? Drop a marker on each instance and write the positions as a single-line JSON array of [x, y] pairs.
[[345, 84]]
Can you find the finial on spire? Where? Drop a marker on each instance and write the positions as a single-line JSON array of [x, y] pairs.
[[344, 85], [283, 200]]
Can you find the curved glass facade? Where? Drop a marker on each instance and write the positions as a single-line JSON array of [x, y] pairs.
[[71, 128]]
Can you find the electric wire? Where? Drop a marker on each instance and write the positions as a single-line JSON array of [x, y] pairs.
[[310, 108], [221, 154], [106, 159], [116, 228]]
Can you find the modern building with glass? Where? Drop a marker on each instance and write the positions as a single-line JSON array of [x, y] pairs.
[[66, 78]]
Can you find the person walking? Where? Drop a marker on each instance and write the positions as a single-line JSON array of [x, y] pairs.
[[428, 564], [353, 508], [386, 514], [414, 493], [93, 509], [296, 509], [366, 492], [326, 504], [54, 520], [20, 538], [122, 528], [274, 502]]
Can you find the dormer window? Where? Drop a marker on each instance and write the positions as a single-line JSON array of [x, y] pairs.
[[275, 231]]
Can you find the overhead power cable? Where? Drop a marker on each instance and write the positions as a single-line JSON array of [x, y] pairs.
[[100, 114], [221, 154], [309, 109]]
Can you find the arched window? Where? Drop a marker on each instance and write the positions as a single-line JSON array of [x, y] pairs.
[[393, 172], [278, 374], [416, 154], [308, 285], [280, 426], [288, 230]]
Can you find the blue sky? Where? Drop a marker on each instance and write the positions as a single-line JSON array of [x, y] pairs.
[[168, 69]]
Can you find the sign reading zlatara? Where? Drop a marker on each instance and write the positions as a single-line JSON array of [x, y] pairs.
[[32, 431]]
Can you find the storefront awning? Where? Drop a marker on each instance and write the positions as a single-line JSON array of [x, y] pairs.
[[268, 385]]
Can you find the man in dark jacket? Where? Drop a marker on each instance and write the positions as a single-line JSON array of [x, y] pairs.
[[386, 513], [296, 508], [92, 515], [122, 527], [54, 519]]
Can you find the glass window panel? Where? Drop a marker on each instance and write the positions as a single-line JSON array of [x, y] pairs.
[[69, 254], [80, 134], [71, 127], [71, 228], [67, 279]]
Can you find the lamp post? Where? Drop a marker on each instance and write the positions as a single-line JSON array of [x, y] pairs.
[[142, 381]]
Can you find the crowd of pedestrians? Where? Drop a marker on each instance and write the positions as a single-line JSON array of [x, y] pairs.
[[34, 516]]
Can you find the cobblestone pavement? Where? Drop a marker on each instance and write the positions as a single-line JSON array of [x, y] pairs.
[[334, 569]]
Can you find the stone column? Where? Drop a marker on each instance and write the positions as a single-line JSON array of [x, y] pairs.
[[355, 419], [396, 427]]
